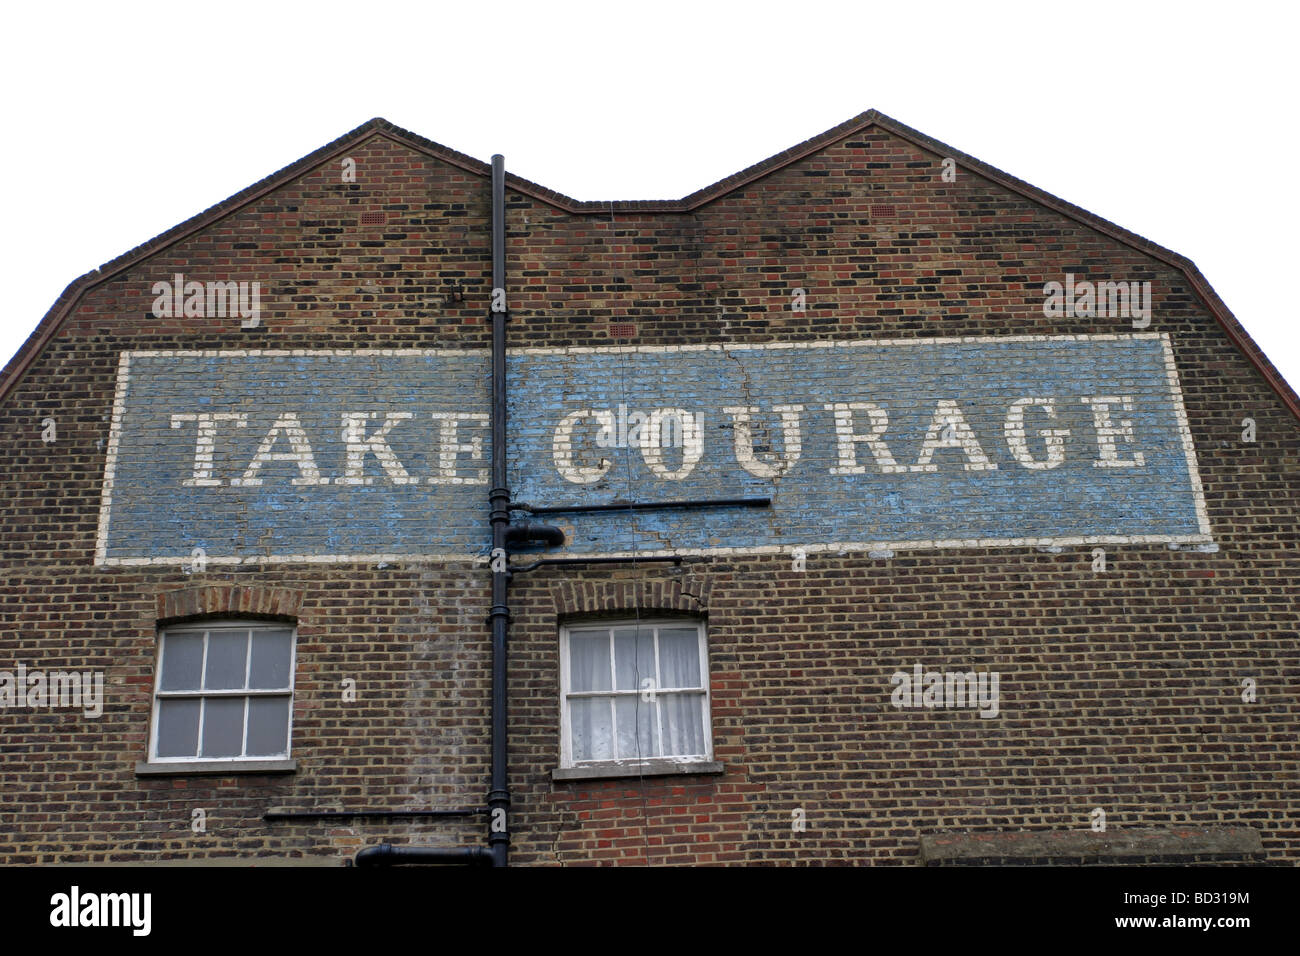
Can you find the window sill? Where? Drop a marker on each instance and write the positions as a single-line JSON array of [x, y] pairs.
[[650, 768], [223, 767]]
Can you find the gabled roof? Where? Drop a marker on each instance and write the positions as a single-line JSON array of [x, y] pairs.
[[67, 302]]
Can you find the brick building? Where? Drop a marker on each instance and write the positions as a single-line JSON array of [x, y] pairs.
[[868, 506]]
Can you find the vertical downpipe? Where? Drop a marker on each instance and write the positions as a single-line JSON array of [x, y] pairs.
[[499, 503]]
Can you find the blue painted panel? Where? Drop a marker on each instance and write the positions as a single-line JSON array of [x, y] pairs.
[[155, 516], [906, 380]]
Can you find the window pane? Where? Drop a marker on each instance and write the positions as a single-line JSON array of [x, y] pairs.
[[634, 657], [178, 727], [272, 655], [268, 726], [223, 726], [637, 729], [227, 656], [182, 660], [588, 662], [590, 732], [683, 724], [679, 657]]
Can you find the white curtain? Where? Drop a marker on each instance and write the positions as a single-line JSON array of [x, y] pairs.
[[628, 726], [589, 719]]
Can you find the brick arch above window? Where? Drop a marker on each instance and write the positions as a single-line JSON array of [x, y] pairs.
[[230, 600], [680, 594]]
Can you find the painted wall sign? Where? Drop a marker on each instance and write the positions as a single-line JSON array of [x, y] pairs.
[[863, 445]]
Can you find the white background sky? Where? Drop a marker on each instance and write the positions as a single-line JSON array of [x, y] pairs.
[[1178, 121]]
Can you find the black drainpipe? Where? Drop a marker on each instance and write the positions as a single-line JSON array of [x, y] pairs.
[[499, 503], [503, 537]]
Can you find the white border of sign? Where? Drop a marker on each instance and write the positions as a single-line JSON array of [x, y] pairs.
[[1175, 391]]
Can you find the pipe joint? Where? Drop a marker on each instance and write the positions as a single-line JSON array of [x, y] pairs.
[[532, 533], [385, 854]]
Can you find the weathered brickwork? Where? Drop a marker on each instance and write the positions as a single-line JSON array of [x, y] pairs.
[[1121, 689]]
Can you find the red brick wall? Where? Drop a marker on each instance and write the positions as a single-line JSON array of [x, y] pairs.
[[1120, 690]]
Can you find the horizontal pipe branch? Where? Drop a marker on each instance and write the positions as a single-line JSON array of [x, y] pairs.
[[385, 854], [530, 533], [272, 815], [658, 559], [644, 505]]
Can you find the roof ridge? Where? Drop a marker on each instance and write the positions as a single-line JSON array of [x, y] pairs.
[[62, 306], [248, 192]]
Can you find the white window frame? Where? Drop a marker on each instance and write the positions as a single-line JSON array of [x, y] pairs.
[[159, 695], [608, 626]]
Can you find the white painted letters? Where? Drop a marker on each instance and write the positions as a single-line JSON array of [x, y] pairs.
[[743, 440], [847, 439], [658, 433], [300, 454], [949, 420], [206, 443], [1014, 428], [449, 448], [580, 439], [562, 447], [358, 446], [1108, 431]]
